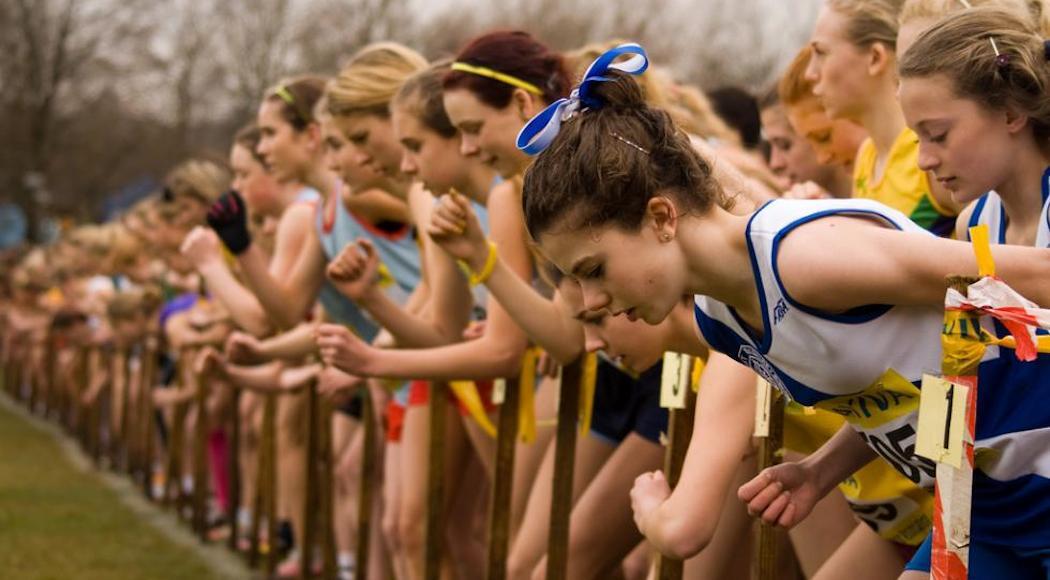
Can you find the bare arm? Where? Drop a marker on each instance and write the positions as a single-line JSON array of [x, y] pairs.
[[496, 354], [548, 323], [884, 266], [685, 522], [286, 299]]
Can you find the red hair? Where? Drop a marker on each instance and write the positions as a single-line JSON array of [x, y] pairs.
[[511, 52]]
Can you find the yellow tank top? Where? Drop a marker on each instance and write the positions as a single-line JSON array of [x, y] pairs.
[[893, 506], [903, 186]]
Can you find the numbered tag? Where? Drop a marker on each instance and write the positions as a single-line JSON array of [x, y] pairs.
[[942, 421], [499, 391], [675, 380], [763, 407]]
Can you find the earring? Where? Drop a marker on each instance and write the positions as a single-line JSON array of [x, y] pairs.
[[666, 237]]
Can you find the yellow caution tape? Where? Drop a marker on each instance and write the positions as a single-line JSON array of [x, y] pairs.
[[467, 394], [588, 379]]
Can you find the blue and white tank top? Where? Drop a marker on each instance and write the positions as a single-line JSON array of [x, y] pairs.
[[989, 211], [865, 364], [398, 255], [308, 195], [1012, 487]]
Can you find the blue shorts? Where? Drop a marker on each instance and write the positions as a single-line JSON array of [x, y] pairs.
[[990, 562], [623, 404]]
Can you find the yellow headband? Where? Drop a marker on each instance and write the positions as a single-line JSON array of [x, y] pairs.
[[486, 72], [282, 92]]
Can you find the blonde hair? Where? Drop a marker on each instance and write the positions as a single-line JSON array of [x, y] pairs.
[[689, 108], [960, 48], [201, 178], [870, 21], [125, 247], [368, 83], [1037, 10]]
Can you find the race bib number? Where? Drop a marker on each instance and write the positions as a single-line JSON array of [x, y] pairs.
[[942, 421], [884, 415]]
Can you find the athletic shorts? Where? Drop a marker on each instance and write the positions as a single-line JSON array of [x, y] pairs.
[[352, 407], [989, 562], [623, 404], [395, 421], [419, 394]]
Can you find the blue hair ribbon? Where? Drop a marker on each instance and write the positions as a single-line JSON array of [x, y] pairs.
[[541, 130]]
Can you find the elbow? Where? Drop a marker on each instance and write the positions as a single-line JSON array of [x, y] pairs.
[[683, 540], [506, 362], [565, 355]]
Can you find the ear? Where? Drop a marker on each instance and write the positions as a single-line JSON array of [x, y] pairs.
[[1016, 120], [880, 59], [662, 216], [526, 104], [313, 136]]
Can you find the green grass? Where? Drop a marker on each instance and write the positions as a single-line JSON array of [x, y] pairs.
[[59, 522]]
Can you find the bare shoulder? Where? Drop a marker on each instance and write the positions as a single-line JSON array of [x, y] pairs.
[[817, 261]]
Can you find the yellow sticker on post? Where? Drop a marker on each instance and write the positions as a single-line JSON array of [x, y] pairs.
[[942, 421]]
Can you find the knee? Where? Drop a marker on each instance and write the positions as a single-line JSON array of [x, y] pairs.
[[520, 567], [389, 529], [410, 530]]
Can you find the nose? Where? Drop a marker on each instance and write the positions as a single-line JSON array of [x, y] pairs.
[[408, 166], [468, 146], [927, 160], [263, 148], [812, 73], [594, 298], [361, 158], [777, 160], [592, 341]]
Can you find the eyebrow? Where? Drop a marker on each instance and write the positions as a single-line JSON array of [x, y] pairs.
[[579, 264]]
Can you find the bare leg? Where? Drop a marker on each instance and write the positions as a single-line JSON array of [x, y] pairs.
[[882, 560], [528, 456], [602, 531], [531, 543], [729, 553], [818, 537]]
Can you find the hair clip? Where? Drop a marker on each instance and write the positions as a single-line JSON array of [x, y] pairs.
[[1002, 59], [966, 3], [623, 139], [541, 130]]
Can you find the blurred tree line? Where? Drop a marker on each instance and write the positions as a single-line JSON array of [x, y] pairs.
[[100, 95]]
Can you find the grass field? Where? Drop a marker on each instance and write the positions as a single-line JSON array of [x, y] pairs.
[[59, 521]]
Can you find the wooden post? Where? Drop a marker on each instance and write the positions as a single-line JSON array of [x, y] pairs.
[[149, 371], [369, 470], [435, 523], [270, 440], [80, 411], [128, 419], [679, 431], [310, 503], [233, 467], [265, 503], [200, 458], [564, 461], [771, 404], [118, 390], [326, 492], [503, 483]]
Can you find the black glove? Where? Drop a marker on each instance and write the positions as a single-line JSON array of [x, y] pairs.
[[229, 218]]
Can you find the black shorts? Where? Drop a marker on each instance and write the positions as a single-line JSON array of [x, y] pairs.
[[623, 404]]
